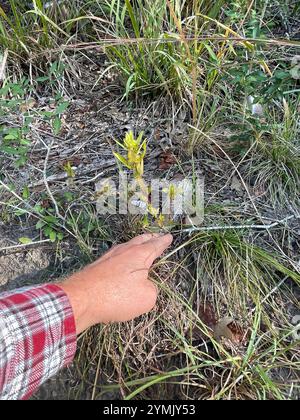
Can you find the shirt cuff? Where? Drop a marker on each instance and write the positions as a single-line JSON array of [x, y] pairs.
[[37, 338]]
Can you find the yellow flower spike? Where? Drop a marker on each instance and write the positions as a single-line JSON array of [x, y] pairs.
[[139, 168], [130, 142], [172, 191], [152, 210], [136, 151], [161, 220]]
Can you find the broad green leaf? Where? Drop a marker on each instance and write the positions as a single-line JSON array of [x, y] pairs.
[[42, 79], [211, 52], [9, 150], [60, 236]]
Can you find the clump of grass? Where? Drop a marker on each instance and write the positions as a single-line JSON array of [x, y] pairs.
[[238, 269], [172, 352], [28, 27], [275, 159], [159, 59]]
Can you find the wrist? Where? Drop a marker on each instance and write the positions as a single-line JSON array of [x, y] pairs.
[[77, 293]]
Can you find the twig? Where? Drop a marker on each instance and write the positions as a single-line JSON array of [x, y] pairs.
[[104, 43], [47, 185], [6, 187], [62, 176], [3, 65], [246, 14], [11, 206], [233, 227], [31, 210], [92, 179], [8, 248]]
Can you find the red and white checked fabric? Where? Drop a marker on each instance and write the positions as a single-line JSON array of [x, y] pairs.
[[37, 338]]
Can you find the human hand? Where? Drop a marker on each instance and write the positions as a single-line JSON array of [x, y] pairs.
[[116, 287]]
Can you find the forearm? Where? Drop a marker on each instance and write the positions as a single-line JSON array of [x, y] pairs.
[[38, 325]]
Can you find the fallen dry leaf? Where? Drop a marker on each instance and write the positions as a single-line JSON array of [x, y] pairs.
[[221, 329], [259, 191], [167, 160], [228, 328], [207, 315], [45, 204], [157, 134], [73, 161], [239, 335], [28, 105], [236, 184]]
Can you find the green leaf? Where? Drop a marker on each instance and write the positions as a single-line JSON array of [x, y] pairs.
[[40, 224], [4, 91], [52, 236], [38, 208], [56, 125], [122, 160], [53, 67], [9, 150], [130, 85], [21, 161], [47, 114], [42, 79], [11, 137], [60, 236], [28, 120], [26, 193], [25, 142], [134, 22], [211, 53], [13, 134], [25, 240], [61, 108], [50, 219], [20, 212], [68, 196]]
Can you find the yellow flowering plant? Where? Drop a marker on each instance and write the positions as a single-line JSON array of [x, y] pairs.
[[136, 149], [136, 152]]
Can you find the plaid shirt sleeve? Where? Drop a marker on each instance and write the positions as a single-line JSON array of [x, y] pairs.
[[37, 338]]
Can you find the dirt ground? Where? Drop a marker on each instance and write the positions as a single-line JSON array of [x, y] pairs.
[[21, 268]]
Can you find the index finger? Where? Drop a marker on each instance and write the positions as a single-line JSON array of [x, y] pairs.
[[154, 248]]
